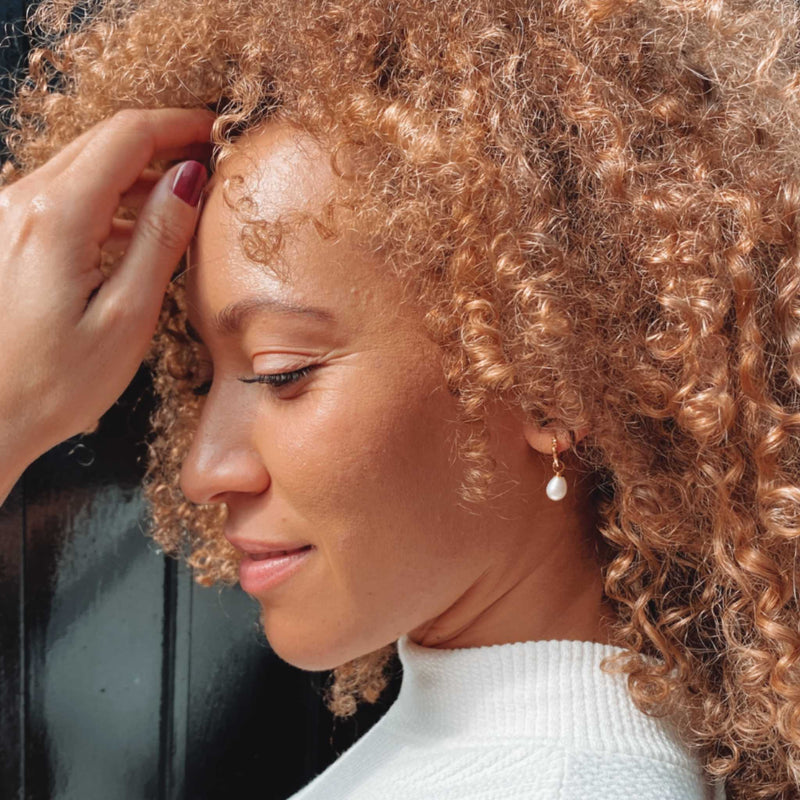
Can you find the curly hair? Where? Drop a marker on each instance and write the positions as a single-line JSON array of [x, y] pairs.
[[598, 203]]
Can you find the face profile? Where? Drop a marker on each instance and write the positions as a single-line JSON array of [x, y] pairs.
[[351, 447]]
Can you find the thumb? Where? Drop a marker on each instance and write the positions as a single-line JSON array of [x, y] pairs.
[[162, 232]]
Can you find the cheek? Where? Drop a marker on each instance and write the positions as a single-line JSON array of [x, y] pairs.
[[369, 471]]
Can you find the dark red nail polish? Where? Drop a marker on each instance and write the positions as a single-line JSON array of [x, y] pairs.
[[189, 182]]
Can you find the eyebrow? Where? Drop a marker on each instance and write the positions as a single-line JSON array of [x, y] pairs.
[[234, 316]]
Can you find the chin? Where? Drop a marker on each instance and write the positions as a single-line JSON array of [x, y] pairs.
[[305, 650], [312, 651]]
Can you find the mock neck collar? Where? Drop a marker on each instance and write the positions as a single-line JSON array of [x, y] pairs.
[[553, 690]]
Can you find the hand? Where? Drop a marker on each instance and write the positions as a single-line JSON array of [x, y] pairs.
[[72, 339]]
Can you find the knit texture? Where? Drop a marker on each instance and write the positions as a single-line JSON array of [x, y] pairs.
[[533, 720]]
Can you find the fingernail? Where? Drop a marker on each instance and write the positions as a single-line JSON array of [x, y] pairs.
[[189, 182]]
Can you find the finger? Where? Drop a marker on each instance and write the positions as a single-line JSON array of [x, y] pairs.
[[106, 160], [160, 236], [137, 195], [64, 157], [111, 162], [196, 151], [120, 237]]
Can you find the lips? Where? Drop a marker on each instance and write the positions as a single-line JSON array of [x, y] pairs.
[[260, 572], [275, 553], [260, 549]]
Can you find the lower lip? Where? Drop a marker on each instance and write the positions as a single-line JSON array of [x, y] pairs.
[[259, 575]]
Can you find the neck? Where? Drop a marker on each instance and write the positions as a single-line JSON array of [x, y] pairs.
[[543, 582]]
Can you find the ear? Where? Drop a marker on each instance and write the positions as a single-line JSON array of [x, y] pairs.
[[541, 438]]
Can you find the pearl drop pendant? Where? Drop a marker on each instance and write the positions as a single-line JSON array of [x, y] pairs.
[[556, 488]]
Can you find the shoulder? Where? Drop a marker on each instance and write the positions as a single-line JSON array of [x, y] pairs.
[[624, 776]]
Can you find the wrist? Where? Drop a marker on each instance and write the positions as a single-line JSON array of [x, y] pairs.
[[15, 456], [7, 483]]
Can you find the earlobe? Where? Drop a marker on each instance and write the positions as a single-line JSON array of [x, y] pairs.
[[541, 438]]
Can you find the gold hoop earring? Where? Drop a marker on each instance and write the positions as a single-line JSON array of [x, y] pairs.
[[557, 485]]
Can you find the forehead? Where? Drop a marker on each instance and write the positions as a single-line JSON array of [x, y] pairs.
[[276, 173], [280, 168]]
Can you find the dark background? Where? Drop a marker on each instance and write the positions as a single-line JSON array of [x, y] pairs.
[[119, 676]]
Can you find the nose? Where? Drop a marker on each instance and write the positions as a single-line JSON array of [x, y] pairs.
[[222, 459]]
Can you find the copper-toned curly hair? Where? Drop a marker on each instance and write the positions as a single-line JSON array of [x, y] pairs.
[[599, 203]]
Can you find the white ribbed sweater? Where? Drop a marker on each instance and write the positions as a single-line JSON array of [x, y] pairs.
[[532, 720]]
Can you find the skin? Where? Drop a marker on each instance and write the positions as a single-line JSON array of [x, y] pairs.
[[357, 457], [72, 338]]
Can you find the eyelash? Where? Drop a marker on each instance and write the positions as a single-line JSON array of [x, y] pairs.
[[276, 380], [279, 379]]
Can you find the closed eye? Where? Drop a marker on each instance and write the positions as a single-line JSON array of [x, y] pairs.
[[279, 379]]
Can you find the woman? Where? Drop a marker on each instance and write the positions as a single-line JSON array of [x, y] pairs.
[[521, 281]]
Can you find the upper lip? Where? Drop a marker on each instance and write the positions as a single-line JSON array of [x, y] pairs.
[[253, 547]]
